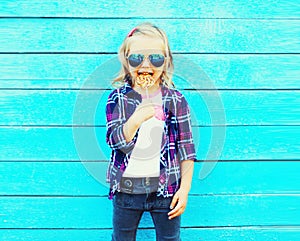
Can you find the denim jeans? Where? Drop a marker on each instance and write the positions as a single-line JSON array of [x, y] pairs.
[[128, 210]]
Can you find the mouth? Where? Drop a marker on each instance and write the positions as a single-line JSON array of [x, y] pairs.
[[145, 73]]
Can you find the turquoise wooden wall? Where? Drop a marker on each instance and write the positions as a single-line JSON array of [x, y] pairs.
[[238, 64]]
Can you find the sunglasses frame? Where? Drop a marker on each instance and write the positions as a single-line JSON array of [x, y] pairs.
[[146, 57]]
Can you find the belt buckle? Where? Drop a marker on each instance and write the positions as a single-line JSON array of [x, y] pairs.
[[127, 185]]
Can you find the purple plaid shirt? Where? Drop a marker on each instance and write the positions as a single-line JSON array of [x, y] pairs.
[[177, 142]]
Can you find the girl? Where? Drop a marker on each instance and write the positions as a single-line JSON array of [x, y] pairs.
[[149, 132]]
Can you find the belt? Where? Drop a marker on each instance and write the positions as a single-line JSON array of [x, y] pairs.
[[139, 185]]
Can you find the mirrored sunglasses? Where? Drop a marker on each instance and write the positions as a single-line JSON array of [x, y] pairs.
[[156, 60]]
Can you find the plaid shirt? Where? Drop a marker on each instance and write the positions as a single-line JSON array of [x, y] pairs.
[[177, 142]]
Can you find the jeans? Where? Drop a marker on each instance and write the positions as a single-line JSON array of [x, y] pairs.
[[128, 210]]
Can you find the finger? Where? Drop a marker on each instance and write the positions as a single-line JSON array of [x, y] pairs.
[[179, 209], [178, 206], [174, 201], [176, 213]]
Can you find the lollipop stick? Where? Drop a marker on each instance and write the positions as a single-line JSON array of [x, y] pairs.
[[147, 93]]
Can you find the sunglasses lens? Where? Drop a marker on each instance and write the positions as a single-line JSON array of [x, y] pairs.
[[135, 59], [157, 59]]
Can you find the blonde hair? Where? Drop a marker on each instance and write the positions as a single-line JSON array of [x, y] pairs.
[[147, 29]]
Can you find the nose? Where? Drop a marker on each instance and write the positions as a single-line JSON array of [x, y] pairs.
[[145, 63]]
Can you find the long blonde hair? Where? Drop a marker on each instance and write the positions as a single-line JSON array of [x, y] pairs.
[[153, 31]]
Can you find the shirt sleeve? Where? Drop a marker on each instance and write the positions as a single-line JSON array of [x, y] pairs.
[[185, 142], [115, 120]]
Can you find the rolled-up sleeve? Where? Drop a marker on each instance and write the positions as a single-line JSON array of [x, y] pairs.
[[185, 142], [115, 120]]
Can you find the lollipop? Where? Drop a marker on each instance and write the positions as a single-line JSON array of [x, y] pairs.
[[146, 80]]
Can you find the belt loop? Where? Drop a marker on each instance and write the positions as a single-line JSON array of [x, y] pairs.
[[147, 179]]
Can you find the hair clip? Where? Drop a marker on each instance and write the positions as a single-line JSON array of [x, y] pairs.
[[131, 32]]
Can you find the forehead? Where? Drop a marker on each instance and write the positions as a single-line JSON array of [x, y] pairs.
[[144, 44]]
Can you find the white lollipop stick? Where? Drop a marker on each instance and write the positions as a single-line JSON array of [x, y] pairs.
[[147, 93]]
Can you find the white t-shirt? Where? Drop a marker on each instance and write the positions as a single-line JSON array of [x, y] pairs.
[[145, 157]]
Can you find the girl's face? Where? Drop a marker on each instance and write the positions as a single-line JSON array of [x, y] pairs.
[[149, 48]]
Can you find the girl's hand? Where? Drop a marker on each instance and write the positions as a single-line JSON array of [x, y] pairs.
[[144, 111], [178, 203]]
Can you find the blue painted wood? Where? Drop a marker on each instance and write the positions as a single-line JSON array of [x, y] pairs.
[[208, 108], [101, 35], [216, 71], [163, 9], [215, 210], [202, 233], [241, 45], [88, 178], [66, 143]]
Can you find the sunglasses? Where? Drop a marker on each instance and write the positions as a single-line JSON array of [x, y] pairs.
[[156, 60]]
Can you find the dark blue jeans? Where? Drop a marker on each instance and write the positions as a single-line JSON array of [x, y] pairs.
[[128, 210]]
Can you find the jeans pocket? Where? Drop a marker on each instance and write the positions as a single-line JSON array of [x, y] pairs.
[[163, 203], [123, 200]]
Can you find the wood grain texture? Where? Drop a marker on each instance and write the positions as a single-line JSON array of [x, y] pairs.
[[88, 178], [67, 143], [53, 156], [198, 71], [215, 210], [92, 35], [197, 234], [163, 9]]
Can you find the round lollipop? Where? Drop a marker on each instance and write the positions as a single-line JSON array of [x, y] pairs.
[[146, 80]]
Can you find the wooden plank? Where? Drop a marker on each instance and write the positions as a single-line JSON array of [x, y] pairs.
[[217, 234], [223, 210], [88, 178], [208, 108], [165, 9], [201, 71], [101, 35], [88, 143]]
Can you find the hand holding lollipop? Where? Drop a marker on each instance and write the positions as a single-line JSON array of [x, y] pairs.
[[145, 80]]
